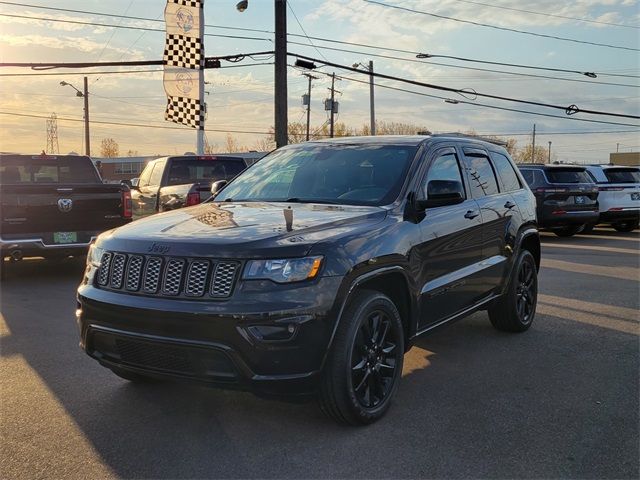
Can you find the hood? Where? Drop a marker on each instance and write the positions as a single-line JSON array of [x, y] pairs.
[[240, 230]]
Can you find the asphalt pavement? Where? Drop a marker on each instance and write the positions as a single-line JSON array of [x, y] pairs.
[[559, 401]]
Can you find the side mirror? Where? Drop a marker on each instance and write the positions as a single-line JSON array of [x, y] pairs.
[[217, 186], [441, 193]]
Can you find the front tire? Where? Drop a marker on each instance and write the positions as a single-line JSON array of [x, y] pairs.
[[625, 226], [516, 309], [364, 365]]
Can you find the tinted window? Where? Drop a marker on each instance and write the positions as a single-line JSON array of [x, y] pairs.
[[445, 167], [25, 169], [528, 176], [506, 172], [567, 175], [156, 175], [348, 174], [622, 175], [194, 171], [483, 180]]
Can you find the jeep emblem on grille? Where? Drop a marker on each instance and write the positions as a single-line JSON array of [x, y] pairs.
[[65, 204], [156, 248]]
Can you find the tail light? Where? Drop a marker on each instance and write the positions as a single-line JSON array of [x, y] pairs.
[[127, 211], [616, 209], [558, 212], [193, 199]]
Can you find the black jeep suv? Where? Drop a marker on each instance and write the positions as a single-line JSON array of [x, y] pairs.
[[313, 271], [566, 197]]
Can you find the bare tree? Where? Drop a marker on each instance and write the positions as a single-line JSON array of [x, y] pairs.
[[109, 148]]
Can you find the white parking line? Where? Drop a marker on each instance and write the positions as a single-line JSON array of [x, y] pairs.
[[591, 247]]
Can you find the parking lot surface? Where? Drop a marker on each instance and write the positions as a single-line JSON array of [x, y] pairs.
[[561, 400]]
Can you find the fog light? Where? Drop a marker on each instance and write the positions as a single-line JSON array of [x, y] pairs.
[[272, 333]]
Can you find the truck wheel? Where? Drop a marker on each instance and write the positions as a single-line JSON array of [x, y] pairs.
[[568, 231], [131, 376], [625, 226], [515, 310], [588, 228], [364, 365]]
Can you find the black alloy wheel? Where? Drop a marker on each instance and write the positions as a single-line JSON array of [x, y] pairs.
[[515, 310], [625, 226], [373, 359], [364, 365], [526, 292]]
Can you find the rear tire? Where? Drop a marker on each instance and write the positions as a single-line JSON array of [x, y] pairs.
[[588, 228], [364, 365], [626, 226], [568, 231], [516, 309]]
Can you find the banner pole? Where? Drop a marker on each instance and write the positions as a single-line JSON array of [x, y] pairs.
[[200, 147]]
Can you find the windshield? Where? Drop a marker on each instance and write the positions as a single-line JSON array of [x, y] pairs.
[[342, 174], [622, 175], [567, 175], [196, 171], [67, 169]]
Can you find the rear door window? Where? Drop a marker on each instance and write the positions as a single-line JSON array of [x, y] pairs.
[[567, 175], [481, 176], [622, 175], [507, 174]]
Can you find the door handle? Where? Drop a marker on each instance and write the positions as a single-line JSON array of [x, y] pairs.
[[509, 205], [471, 214]]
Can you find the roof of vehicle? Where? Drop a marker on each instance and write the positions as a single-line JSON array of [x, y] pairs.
[[609, 166], [551, 166], [410, 140]]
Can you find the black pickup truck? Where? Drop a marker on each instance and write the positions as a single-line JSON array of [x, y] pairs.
[[54, 206], [170, 183]]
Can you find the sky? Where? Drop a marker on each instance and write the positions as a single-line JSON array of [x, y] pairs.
[[240, 96]]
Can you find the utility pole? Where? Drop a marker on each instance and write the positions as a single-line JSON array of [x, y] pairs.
[[533, 149], [281, 120], [371, 99], [333, 108], [86, 118], [549, 161], [310, 77], [52, 134], [617, 147]]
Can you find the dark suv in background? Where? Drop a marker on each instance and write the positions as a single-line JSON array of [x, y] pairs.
[[566, 197], [314, 270]]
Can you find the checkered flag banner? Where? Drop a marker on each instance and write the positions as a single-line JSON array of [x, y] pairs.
[[185, 111], [183, 61]]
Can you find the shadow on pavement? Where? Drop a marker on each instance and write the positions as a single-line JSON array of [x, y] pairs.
[[557, 401]]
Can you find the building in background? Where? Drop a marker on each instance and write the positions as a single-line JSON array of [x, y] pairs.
[[625, 158]]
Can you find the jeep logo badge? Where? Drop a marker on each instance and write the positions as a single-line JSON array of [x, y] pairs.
[[65, 205]]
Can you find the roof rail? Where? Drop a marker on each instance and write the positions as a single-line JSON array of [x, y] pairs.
[[495, 141]]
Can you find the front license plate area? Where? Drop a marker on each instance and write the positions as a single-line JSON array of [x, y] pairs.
[[635, 196], [65, 237], [580, 200]]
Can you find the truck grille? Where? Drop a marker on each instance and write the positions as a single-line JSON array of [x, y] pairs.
[[167, 277]]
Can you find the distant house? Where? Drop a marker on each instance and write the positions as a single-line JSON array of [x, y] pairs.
[[125, 168], [625, 158]]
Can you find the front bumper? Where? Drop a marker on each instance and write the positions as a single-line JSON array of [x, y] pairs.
[[211, 342]]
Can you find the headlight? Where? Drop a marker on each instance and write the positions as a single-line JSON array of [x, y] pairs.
[[283, 271], [95, 255]]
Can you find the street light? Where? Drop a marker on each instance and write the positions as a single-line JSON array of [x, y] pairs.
[[242, 6], [84, 95]]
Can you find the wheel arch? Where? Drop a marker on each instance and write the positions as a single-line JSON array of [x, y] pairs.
[[530, 240]]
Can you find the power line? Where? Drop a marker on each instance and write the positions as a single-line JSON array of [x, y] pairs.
[[549, 14], [496, 27], [484, 105], [127, 27], [308, 37], [569, 110], [412, 60], [304, 31]]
